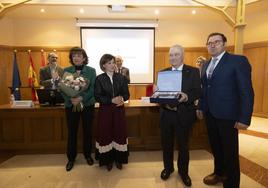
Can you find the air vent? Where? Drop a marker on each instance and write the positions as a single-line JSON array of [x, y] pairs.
[[116, 8]]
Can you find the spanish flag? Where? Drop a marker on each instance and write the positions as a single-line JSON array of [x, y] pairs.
[[32, 78]]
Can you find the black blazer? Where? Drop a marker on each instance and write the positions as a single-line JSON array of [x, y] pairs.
[[191, 85], [104, 90]]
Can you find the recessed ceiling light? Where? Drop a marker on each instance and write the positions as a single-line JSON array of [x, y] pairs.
[[42, 10], [81, 10], [193, 11], [156, 12]]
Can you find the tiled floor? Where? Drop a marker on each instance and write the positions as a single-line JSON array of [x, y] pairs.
[[143, 170], [259, 124], [48, 171], [254, 149]]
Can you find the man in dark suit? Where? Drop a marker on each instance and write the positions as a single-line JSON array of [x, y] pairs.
[[227, 103], [120, 69], [178, 119], [50, 75]]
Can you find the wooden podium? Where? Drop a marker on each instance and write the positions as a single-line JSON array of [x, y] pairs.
[[43, 129]]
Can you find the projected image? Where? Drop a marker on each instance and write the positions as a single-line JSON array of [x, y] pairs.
[[135, 46]]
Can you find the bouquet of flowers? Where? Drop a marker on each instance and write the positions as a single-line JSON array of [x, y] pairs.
[[73, 85]]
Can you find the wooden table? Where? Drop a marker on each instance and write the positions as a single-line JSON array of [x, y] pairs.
[[43, 129]]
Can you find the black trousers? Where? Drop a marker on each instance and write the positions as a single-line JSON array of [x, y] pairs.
[[223, 138], [73, 119], [172, 127]]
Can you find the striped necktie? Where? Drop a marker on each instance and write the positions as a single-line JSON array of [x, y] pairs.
[[212, 67]]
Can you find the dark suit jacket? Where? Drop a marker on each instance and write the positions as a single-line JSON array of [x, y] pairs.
[[125, 72], [228, 94], [192, 87], [104, 90], [45, 76]]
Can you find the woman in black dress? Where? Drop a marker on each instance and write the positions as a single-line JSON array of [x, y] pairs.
[[111, 90]]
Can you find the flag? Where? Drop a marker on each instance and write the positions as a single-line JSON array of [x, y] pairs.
[[16, 83], [43, 61], [32, 78]]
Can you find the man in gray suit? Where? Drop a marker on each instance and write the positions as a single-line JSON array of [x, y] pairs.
[[50, 74], [120, 69]]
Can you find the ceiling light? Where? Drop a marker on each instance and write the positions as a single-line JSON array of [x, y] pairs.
[[156, 12], [42, 10], [193, 11], [81, 10]]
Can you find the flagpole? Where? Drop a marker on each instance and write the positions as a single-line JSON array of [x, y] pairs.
[[16, 83]]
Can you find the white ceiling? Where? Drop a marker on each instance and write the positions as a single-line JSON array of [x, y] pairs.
[[138, 9], [131, 2]]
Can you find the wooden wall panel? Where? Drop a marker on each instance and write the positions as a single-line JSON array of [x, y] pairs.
[[32, 130], [64, 59], [12, 130], [5, 61], [265, 85], [132, 91], [256, 52], [160, 60], [190, 57], [256, 58], [140, 91], [42, 129]]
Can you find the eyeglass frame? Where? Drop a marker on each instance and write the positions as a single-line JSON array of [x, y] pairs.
[[215, 43]]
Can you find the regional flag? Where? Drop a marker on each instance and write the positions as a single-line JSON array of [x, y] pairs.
[[16, 83], [32, 78]]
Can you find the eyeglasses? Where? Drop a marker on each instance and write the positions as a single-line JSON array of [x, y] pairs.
[[215, 43]]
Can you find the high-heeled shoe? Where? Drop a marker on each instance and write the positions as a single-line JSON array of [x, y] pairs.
[[119, 165], [109, 166]]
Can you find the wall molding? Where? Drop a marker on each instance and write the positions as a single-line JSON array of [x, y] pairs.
[[36, 48], [157, 49]]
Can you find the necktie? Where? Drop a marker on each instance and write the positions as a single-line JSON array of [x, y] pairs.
[[212, 67]]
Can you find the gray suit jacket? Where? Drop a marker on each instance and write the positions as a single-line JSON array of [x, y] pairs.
[[125, 72], [45, 76]]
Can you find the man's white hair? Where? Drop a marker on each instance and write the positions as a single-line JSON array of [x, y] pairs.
[[178, 47]]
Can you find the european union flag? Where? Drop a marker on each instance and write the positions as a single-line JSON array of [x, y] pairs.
[[16, 83]]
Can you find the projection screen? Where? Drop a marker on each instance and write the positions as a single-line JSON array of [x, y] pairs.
[[134, 45]]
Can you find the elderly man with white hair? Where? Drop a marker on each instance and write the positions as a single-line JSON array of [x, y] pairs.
[[120, 69], [176, 120]]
